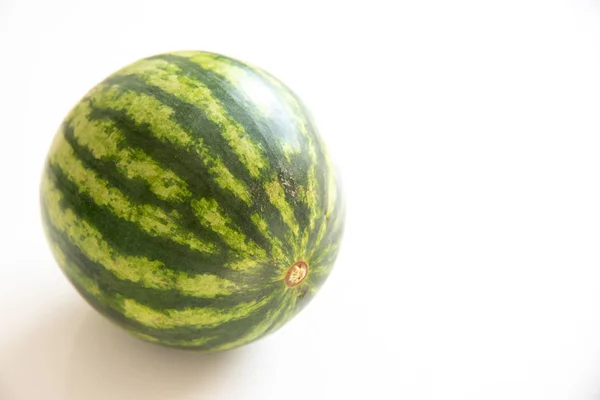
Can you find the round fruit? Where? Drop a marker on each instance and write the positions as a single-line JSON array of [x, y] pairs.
[[190, 199]]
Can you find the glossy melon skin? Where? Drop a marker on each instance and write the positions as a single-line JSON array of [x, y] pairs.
[[190, 199]]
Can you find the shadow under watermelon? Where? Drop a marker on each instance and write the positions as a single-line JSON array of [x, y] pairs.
[[76, 354]]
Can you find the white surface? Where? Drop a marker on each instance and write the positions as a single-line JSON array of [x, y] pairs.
[[469, 136]]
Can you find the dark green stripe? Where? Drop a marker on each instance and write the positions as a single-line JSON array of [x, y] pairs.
[[324, 266], [322, 182], [283, 125], [335, 226], [304, 298], [324, 255], [287, 313], [268, 133], [232, 331], [136, 190], [156, 299], [138, 243], [133, 188], [225, 333], [188, 166]]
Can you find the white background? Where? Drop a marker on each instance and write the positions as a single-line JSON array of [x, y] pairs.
[[468, 133]]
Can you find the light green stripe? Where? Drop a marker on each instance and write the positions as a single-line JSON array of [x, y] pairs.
[[147, 110], [150, 219], [252, 86], [320, 234], [171, 79], [181, 343], [105, 141], [74, 273], [250, 82], [277, 252], [331, 201], [260, 95], [290, 151], [296, 111], [257, 332], [320, 270], [312, 288], [291, 102], [148, 273], [92, 289], [311, 195], [288, 306], [316, 261], [198, 317], [210, 216], [332, 224], [301, 251], [332, 186], [277, 198]]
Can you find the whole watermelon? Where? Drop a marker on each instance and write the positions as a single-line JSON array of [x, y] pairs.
[[190, 199]]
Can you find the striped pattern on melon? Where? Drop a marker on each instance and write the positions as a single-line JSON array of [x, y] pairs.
[[190, 199]]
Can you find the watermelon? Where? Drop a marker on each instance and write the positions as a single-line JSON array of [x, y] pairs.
[[190, 199]]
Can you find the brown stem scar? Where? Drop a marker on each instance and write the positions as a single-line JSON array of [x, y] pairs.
[[296, 274]]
